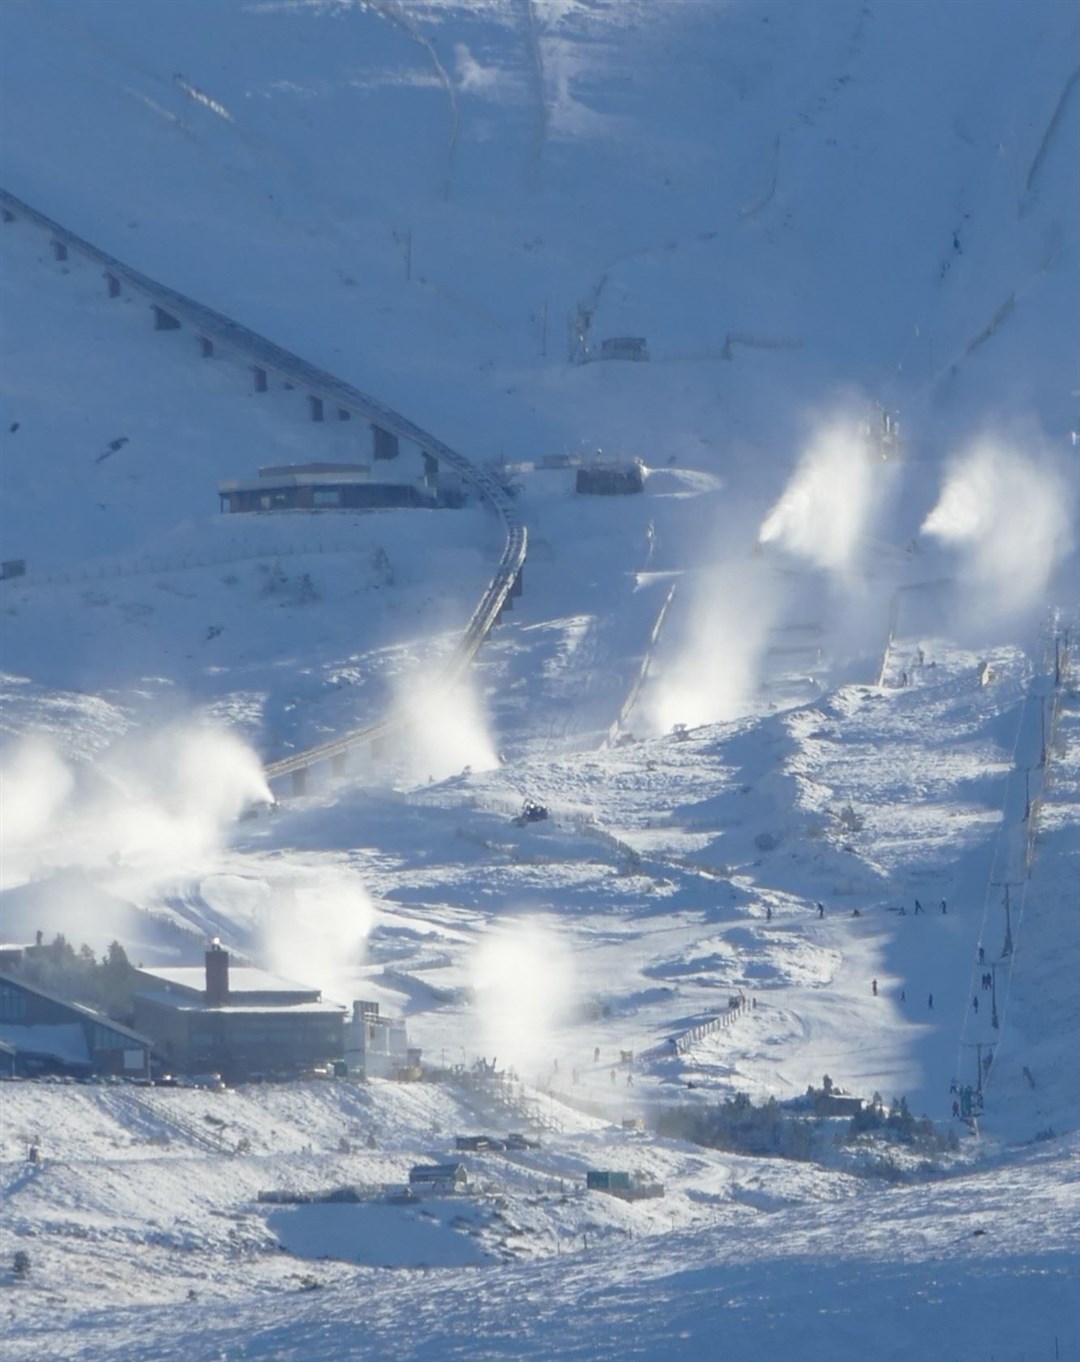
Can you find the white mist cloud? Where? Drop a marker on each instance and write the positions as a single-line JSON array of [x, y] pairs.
[[1011, 516], [831, 499], [523, 983], [716, 667], [35, 783], [446, 728], [318, 920], [154, 803]]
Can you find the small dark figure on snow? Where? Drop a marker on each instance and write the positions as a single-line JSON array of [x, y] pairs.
[[975, 1002], [903, 995], [903, 911], [768, 914], [982, 955], [954, 1086], [918, 906], [821, 910], [944, 909], [930, 1003], [873, 987], [596, 1055], [956, 1108]]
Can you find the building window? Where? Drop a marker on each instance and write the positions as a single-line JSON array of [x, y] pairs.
[[12, 1003], [104, 1039]]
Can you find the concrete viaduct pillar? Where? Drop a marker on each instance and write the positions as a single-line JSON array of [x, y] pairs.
[[164, 321], [260, 378], [112, 284], [299, 781], [337, 763]]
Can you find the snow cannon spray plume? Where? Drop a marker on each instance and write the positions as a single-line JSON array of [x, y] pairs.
[[317, 924], [150, 806], [522, 979], [831, 499], [35, 785], [717, 664], [1010, 516], [446, 728]]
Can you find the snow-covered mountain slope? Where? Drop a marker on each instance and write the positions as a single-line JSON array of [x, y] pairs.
[[817, 217]]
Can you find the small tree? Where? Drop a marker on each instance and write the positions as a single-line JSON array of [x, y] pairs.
[[116, 977]]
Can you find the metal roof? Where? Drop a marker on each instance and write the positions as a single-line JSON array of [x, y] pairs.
[[84, 1012]]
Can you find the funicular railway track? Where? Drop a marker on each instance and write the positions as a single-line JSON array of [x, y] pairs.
[[218, 332]]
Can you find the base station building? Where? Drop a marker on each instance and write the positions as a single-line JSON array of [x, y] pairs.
[[236, 1021]]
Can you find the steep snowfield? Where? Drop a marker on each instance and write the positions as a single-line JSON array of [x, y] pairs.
[[814, 215]]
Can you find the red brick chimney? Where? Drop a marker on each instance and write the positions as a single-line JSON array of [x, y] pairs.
[[217, 975]]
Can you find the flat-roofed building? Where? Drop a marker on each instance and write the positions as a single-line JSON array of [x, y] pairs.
[[325, 486], [238, 1021]]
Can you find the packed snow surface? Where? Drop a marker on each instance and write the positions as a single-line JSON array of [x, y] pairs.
[[804, 714]]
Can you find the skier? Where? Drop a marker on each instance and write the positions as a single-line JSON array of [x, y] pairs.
[[918, 906], [768, 914], [903, 911], [873, 987], [821, 910], [613, 1078], [943, 907], [930, 1003], [982, 956], [596, 1055], [955, 1108], [975, 1002], [903, 995]]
